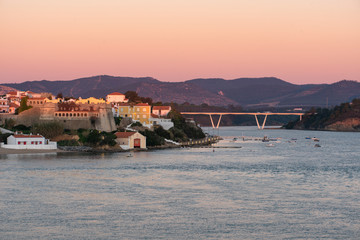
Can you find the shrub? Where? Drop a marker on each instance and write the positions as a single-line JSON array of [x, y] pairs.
[[136, 124], [48, 130], [152, 139], [109, 139], [71, 142]]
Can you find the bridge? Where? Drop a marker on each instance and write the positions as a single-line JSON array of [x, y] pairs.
[[240, 113]]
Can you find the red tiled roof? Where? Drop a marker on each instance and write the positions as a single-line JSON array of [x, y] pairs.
[[13, 105], [161, 107], [155, 116], [12, 93], [124, 134], [142, 104], [116, 93], [27, 136]]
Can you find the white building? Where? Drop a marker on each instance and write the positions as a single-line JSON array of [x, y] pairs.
[[22, 141], [166, 123], [161, 111], [130, 140], [116, 97]]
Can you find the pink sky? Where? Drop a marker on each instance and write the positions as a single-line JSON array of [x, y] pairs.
[[307, 41]]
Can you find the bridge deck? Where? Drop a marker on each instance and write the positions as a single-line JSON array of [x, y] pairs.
[[240, 113]]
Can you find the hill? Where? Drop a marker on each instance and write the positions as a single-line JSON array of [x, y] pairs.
[[247, 92], [345, 117]]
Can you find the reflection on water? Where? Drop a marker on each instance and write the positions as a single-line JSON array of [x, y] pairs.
[[292, 190]]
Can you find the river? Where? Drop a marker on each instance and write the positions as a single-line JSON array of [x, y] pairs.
[[287, 190]]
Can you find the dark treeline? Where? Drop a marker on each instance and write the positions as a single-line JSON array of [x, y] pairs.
[[320, 118]]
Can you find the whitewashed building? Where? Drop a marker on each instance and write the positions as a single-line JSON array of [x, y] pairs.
[[161, 111], [166, 123], [23, 141], [116, 97], [130, 140]]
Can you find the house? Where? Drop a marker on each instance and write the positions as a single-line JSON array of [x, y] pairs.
[[4, 105], [90, 100], [13, 107], [116, 97], [130, 140], [139, 112], [166, 123], [161, 111], [35, 102], [22, 141]]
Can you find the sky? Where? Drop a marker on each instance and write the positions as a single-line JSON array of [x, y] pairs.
[[299, 41]]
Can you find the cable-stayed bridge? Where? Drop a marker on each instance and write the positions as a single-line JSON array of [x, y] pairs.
[[240, 113]]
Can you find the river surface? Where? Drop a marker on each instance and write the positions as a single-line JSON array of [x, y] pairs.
[[284, 189]]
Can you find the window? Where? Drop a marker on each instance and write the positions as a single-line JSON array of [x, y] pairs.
[[144, 109], [144, 116], [24, 143], [137, 109], [40, 142], [32, 143], [19, 143]]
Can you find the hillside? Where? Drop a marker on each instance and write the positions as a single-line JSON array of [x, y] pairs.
[[5, 89], [345, 117], [247, 92]]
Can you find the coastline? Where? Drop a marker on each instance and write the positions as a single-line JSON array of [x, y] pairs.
[[4, 151]]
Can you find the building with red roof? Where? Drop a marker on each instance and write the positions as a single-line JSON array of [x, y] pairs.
[[116, 97], [130, 140]]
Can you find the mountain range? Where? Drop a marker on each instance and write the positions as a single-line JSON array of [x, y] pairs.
[[247, 92]]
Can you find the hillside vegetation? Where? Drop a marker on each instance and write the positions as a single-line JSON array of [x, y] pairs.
[[345, 117]]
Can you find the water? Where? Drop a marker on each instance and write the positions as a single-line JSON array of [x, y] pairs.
[[290, 191]]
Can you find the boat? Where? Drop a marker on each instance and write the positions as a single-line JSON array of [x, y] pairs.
[[129, 155], [317, 145], [270, 145]]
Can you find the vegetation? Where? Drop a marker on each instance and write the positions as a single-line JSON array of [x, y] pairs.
[[71, 142], [320, 118], [117, 120], [9, 123], [95, 138], [23, 105], [136, 124], [152, 139], [135, 98], [48, 130], [4, 136]]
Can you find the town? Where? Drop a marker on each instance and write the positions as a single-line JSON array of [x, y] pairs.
[[130, 123]]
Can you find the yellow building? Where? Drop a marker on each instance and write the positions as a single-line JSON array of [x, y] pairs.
[[90, 100], [140, 112]]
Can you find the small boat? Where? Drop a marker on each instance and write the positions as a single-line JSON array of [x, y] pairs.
[[316, 139], [317, 145], [270, 145], [129, 155]]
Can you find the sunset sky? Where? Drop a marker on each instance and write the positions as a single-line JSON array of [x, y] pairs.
[[299, 41]]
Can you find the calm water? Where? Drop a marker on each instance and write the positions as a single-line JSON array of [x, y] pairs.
[[292, 190]]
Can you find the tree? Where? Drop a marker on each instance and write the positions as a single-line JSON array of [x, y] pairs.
[[94, 137], [23, 105], [132, 96], [59, 95], [48, 129]]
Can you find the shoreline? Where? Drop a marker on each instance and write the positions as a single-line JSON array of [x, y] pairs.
[[5, 151]]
